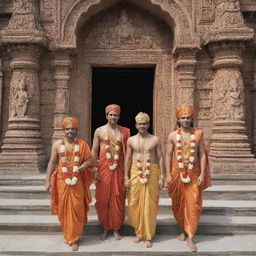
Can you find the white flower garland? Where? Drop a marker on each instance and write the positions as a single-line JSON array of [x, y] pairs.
[[63, 158], [143, 174], [191, 155], [117, 150]]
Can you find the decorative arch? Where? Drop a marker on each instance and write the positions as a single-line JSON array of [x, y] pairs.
[[173, 12]]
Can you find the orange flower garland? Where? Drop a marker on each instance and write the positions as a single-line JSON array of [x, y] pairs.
[[76, 158], [179, 156]]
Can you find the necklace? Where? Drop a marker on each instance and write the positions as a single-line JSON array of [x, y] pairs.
[[112, 143], [143, 167], [65, 164], [180, 157]]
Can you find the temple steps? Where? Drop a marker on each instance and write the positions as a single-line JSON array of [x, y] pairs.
[[216, 192], [227, 225], [164, 245], [209, 225], [212, 207]]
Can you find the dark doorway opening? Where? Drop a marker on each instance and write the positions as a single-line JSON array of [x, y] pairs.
[[131, 88]]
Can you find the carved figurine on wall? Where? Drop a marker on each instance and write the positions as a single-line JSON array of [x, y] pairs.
[[21, 99]]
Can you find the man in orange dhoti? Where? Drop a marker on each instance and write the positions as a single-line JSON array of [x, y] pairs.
[[110, 143], [69, 184], [144, 163], [187, 173]]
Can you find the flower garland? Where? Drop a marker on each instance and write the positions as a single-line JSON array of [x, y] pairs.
[[143, 174], [117, 149], [191, 155], [63, 158]]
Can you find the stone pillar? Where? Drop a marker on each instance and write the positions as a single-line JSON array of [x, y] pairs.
[[230, 150], [186, 65], [22, 148], [1, 94], [61, 65], [254, 111], [22, 144]]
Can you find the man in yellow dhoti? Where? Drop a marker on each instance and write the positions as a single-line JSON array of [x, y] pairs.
[[187, 173], [144, 164]]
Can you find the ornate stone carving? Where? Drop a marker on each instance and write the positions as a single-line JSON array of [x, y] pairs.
[[18, 96], [228, 23], [24, 25], [125, 27], [229, 95], [184, 30], [206, 11]]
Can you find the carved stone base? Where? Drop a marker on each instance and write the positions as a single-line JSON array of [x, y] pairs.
[[232, 165], [229, 140], [22, 146]]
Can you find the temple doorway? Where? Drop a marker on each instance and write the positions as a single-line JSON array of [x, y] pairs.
[[131, 88]]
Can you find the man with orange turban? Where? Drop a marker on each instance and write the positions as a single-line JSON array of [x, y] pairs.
[[108, 151], [69, 183], [187, 173]]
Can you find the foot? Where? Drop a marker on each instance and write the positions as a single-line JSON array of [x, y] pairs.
[[75, 247], [103, 237], [148, 244], [116, 234], [136, 240], [191, 245], [181, 237]]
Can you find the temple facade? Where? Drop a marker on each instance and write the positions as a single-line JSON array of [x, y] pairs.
[[202, 52]]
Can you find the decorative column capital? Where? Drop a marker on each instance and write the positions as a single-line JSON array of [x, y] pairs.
[[24, 24]]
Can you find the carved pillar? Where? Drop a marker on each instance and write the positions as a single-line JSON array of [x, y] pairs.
[[1, 94], [254, 110], [186, 65], [22, 144], [61, 65], [22, 148], [229, 140], [230, 150]]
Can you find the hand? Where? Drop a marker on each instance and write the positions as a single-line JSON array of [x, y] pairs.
[[168, 179], [127, 182], [48, 186], [161, 183], [96, 176], [200, 180]]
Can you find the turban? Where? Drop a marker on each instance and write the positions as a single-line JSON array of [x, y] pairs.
[[185, 109], [113, 107], [69, 120], [142, 118]]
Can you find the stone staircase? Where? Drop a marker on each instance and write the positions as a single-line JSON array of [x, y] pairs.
[[227, 225]]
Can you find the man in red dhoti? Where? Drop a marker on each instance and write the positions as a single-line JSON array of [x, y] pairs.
[[110, 140], [187, 173], [69, 184]]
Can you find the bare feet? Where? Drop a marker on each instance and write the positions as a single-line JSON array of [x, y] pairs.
[[136, 240], [75, 247], [148, 244], [116, 235], [104, 235], [191, 245], [181, 237]]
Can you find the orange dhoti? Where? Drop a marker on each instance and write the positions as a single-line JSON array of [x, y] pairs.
[[71, 203]]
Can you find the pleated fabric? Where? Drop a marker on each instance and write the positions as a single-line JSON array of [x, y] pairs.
[[110, 190], [143, 202], [71, 203]]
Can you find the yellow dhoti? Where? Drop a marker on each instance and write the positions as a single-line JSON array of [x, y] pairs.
[[143, 203]]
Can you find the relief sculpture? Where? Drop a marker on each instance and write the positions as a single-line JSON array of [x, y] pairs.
[[229, 95]]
